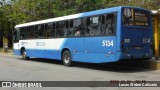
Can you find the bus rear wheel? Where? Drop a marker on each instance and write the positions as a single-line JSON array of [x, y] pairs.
[[66, 58], [24, 55]]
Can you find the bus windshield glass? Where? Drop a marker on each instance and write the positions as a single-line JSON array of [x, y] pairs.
[[135, 17]]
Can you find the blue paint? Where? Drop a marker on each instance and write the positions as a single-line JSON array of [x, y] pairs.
[[16, 52], [61, 47]]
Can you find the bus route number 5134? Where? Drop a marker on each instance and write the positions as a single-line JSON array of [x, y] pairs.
[[107, 43]]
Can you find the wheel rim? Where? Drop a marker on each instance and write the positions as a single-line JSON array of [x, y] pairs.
[[66, 58], [24, 55]]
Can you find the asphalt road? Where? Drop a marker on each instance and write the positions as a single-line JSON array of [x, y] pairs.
[[12, 68]]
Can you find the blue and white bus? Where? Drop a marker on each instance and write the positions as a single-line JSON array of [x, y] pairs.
[[106, 35]]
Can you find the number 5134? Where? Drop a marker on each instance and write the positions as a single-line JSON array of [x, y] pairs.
[[107, 43]]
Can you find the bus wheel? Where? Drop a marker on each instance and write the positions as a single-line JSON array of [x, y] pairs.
[[24, 55], [66, 58]]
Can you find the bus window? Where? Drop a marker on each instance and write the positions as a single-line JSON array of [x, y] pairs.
[[65, 29], [78, 27], [110, 24], [70, 31], [39, 30], [23, 33], [51, 29], [59, 29], [30, 30], [46, 31], [102, 19], [135, 17], [67, 24], [94, 26], [71, 23], [88, 21], [141, 18], [127, 18]]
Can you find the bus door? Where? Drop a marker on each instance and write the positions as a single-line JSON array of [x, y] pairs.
[[77, 47], [100, 41], [76, 44]]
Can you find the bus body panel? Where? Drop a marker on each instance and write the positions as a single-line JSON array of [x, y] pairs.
[[87, 49], [42, 48], [94, 50], [16, 49], [101, 45], [76, 47], [135, 45]]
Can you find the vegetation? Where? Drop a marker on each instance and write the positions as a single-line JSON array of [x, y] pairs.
[[14, 12]]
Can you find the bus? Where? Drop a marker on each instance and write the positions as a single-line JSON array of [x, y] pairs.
[[100, 36]]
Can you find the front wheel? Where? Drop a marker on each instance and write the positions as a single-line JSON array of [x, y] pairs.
[[24, 55], [66, 58]]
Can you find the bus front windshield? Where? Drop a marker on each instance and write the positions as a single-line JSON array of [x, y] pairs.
[[135, 17]]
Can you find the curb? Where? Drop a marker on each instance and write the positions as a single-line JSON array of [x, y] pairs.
[[154, 65]]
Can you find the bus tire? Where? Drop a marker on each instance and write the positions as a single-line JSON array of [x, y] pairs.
[[24, 55], [66, 58]]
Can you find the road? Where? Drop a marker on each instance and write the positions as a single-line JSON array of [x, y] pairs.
[[12, 68]]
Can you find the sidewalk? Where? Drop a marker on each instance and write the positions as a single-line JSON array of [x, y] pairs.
[[9, 52]]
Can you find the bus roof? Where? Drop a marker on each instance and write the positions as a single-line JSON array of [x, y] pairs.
[[79, 15]]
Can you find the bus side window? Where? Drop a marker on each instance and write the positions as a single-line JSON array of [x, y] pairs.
[[52, 27], [70, 31], [59, 29], [102, 19], [88, 28], [88, 21], [65, 29], [46, 31], [30, 31], [23, 33], [94, 28], [79, 27], [67, 24], [110, 24], [39, 30], [50, 30]]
